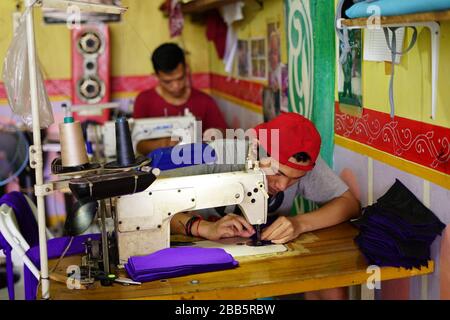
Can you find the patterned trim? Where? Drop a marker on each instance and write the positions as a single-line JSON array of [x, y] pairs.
[[419, 142]]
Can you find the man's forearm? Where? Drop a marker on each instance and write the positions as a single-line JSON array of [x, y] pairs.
[[178, 222], [334, 212], [144, 147]]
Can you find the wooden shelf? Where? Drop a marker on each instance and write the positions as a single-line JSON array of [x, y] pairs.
[[199, 6], [403, 19]]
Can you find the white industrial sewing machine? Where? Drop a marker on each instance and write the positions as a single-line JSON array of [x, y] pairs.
[[143, 219], [184, 127]]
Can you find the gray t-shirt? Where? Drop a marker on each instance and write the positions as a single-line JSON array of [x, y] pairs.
[[320, 185]]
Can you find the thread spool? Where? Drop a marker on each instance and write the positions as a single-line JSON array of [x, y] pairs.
[[124, 146], [73, 150]]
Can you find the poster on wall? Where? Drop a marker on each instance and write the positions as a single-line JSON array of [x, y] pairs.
[[349, 74], [271, 103], [243, 58], [284, 96], [274, 54], [278, 72], [63, 16], [258, 58]]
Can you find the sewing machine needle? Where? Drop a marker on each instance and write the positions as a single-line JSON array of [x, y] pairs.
[[258, 234]]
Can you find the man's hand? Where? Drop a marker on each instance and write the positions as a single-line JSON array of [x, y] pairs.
[[227, 227], [284, 229]]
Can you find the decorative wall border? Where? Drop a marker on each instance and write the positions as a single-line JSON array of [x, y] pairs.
[[243, 90], [60, 89], [421, 143]]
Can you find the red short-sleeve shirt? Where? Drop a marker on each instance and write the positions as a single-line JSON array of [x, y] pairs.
[[150, 104]]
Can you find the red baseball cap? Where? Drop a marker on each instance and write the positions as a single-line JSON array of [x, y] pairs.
[[295, 134]]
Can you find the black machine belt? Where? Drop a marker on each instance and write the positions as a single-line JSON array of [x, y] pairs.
[[111, 185]]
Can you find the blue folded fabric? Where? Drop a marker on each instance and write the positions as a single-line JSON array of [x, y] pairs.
[[182, 156], [174, 262], [395, 7]]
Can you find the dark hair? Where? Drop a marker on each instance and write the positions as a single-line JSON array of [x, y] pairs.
[[301, 157], [167, 57]]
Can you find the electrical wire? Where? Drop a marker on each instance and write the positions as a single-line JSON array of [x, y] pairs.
[[57, 262]]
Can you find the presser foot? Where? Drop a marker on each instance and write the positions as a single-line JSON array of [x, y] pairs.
[[256, 241]]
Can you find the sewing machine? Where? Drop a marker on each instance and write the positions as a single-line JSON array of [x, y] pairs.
[[143, 219], [183, 127]]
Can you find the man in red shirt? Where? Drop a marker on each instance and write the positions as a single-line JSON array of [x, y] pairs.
[[172, 95]]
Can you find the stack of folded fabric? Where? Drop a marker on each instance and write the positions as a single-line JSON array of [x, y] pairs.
[[174, 262], [397, 230]]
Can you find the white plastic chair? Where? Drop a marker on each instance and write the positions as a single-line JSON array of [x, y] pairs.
[[11, 232]]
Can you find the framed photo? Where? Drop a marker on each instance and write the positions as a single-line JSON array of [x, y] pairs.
[[274, 55], [243, 58], [350, 72], [258, 58], [271, 103]]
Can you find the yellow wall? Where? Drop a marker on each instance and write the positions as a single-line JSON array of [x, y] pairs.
[[254, 25], [412, 86], [412, 94], [142, 29]]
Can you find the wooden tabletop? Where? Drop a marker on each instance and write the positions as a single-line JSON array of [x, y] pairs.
[[323, 259]]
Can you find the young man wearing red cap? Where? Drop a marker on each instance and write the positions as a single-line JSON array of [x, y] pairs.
[[293, 167]]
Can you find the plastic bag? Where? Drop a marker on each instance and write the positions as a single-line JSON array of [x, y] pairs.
[[17, 81]]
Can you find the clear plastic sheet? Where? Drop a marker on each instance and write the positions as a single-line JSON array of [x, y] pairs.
[[17, 81]]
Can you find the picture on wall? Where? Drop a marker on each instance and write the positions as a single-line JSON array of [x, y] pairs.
[[258, 58], [243, 58], [271, 103], [349, 72], [63, 16], [284, 96], [274, 55], [277, 71]]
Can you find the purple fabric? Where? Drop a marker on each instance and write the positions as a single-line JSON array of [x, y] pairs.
[[55, 248], [385, 258], [174, 262], [398, 230], [401, 201], [27, 226]]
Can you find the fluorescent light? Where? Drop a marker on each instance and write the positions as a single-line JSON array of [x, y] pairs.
[[83, 6]]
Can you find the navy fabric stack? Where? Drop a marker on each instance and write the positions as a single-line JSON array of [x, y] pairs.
[[175, 262], [397, 230]]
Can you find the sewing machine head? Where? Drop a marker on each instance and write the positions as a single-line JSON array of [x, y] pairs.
[[142, 216], [143, 219]]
